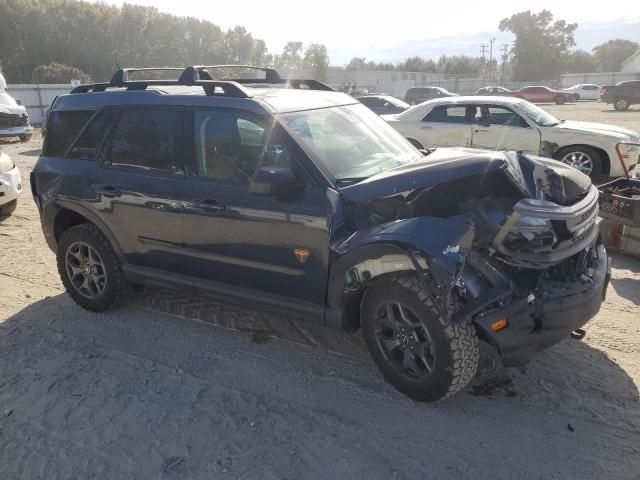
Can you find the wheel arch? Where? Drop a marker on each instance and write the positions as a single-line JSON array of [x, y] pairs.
[[68, 215], [604, 156]]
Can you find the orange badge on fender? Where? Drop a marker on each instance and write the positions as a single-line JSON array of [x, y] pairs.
[[301, 254]]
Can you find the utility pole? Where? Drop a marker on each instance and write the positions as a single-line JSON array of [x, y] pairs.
[[491, 57], [504, 48], [483, 48]]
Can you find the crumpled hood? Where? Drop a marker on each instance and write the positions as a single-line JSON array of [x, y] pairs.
[[597, 128], [535, 177], [9, 106]]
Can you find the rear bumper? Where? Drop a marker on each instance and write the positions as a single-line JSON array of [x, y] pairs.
[[558, 308], [10, 185]]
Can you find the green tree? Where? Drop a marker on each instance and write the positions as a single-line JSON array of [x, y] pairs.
[[58, 73], [610, 55], [580, 61], [357, 63], [462, 65], [417, 64], [317, 60], [541, 45], [291, 56]]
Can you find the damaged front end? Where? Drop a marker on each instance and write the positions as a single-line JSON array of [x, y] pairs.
[[505, 240]]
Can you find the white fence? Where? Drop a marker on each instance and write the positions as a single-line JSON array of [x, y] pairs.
[[37, 98]]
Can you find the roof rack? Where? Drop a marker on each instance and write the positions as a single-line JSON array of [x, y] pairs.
[[199, 75], [201, 72]]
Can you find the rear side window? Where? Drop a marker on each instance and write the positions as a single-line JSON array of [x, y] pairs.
[[146, 137], [452, 114], [63, 129], [86, 147]]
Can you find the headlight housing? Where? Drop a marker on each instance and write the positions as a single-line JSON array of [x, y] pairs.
[[531, 234], [6, 163]]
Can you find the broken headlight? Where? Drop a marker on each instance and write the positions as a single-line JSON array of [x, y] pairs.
[[531, 234]]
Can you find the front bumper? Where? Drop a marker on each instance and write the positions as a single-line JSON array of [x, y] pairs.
[[537, 321], [16, 131], [10, 185]]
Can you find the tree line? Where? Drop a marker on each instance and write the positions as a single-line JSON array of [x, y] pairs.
[[54, 41], [45, 40]]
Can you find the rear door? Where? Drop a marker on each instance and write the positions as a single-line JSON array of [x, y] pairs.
[[139, 187], [500, 128], [447, 126]]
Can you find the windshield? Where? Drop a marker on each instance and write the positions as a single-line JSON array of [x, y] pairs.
[[538, 115], [351, 142], [396, 102]]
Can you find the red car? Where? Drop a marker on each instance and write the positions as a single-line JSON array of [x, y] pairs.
[[544, 95]]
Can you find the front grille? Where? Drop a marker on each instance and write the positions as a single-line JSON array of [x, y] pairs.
[[8, 120]]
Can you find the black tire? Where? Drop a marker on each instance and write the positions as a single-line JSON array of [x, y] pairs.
[[576, 97], [116, 287], [621, 104], [8, 208], [415, 143], [593, 154], [24, 138], [559, 99], [455, 348]]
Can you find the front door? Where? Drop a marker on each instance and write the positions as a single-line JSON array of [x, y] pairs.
[[500, 128], [250, 241]]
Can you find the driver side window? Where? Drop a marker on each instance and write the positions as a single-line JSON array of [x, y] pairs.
[[504, 117], [230, 146]]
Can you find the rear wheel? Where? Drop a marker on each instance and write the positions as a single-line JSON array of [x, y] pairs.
[[90, 269], [8, 208], [621, 104], [585, 159], [559, 99], [417, 350]]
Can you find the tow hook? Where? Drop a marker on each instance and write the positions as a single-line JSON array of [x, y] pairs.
[[578, 334]]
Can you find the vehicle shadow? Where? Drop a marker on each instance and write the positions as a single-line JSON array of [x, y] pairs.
[[625, 286], [55, 347], [31, 153]]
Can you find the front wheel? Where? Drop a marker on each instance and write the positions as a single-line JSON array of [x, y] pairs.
[[621, 104], [584, 159], [559, 100], [89, 268], [417, 350]]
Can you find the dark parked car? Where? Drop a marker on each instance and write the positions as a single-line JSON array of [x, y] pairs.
[[421, 94], [383, 104], [622, 95], [544, 95], [492, 91], [308, 204]]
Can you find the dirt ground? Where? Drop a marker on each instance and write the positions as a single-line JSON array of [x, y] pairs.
[[176, 387]]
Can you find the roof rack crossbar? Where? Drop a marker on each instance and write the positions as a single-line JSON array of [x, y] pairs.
[[122, 75], [194, 73], [230, 89]]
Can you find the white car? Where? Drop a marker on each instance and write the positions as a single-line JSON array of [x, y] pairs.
[[585, 91], [506, 123], [14, 120], [10, 185]]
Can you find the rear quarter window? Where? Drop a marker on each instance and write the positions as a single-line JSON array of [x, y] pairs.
[[63, 129]]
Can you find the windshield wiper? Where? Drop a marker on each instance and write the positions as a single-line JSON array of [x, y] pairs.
[[349, 180]]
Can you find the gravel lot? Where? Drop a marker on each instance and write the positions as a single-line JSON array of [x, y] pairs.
[[177, 387]]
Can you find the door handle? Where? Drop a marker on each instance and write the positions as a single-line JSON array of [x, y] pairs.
[[107, 190], [425, 127], [211, 204], [481, 130]]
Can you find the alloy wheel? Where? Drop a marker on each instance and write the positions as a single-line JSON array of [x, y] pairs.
[[404, 341], [85, 270], [579, 160]]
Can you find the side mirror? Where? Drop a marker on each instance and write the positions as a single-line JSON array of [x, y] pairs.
[[18, 101], [277, 181]]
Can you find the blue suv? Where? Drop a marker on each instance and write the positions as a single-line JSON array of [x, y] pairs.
[[286, 196]]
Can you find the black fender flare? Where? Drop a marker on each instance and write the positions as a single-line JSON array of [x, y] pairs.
[[444, 243], [52, 210]]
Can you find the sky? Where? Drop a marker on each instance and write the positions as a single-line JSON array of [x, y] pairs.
[[392, 31]]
